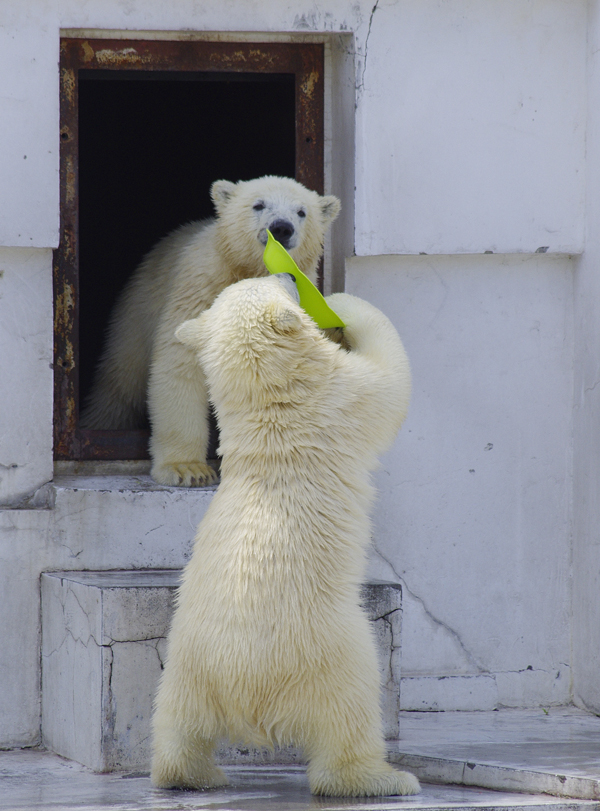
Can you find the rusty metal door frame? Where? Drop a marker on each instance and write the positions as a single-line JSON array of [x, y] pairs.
[[304, 61]]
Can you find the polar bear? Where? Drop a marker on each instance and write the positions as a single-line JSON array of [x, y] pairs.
[[268, 643], [143, 369]]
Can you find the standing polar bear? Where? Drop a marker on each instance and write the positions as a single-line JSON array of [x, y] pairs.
[[268, 643], [143, 369]]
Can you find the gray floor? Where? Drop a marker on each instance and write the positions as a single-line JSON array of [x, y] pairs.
[[43, 782], [531, 751], [553, 751]]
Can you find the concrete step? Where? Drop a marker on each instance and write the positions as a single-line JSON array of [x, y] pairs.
[[103, 647], [39, 781], [552, 751], [112, 515]]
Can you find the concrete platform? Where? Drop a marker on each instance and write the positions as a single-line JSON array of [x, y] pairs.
[[554, 751], [103, 646], [38, 781], [526, 755]]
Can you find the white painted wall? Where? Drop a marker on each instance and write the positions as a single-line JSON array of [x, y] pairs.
[[26, 387], [465, 134], [474, 508], [471, 128], [586, 493], [29, 114]]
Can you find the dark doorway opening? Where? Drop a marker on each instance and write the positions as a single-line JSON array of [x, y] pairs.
[[150, 147], [146, 127]]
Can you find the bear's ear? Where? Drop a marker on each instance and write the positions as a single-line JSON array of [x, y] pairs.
[[330, 208], [221, 192], [189, 333], [284, 319]]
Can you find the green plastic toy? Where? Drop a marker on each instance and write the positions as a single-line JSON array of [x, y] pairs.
[[278, 260]]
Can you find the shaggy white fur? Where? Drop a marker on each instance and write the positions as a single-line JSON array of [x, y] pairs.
[[143, 368], [268, 643]]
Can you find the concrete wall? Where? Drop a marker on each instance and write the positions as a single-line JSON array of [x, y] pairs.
[[26, 387], [102, 523], [483, 142], [475, 499], [586, 501], [454, 127]]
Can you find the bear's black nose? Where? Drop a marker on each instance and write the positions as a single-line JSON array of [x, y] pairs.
[[283, 231]]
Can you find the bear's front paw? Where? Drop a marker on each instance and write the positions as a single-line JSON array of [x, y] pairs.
[[184, 474]]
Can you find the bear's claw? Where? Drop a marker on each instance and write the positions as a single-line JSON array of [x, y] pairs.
[[184, 474]]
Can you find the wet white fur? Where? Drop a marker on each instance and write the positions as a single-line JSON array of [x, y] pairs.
[[268, 643], [143, 366]]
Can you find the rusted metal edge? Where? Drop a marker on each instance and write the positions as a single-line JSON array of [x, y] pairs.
[[304, 60]]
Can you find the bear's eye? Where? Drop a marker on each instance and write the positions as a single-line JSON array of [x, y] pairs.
[[258, 206], [301, 212]]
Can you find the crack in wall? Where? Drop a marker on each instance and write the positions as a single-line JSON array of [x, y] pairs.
[[486, 674], [109, 710], [79, 640], [531, 669], [385, 615], [62, 595], [42, 498], [155, 639], [389, 681], [161, 661], [440, 623], [361, 84], [579, 701], [72, 554]]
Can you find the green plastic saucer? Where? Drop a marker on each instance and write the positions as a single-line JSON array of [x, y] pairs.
[[278, 260]]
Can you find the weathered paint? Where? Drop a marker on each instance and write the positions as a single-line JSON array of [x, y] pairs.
[[305, 61]]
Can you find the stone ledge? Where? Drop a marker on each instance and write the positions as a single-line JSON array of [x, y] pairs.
[[555, 751], [103, 647]]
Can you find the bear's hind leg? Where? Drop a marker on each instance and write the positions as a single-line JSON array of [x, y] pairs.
[[184, 725], [345, 746], [184, 759], [360, 778], [349, 761]]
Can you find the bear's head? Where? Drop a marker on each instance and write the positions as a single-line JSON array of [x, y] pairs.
[[297, 217], [258, 347]]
